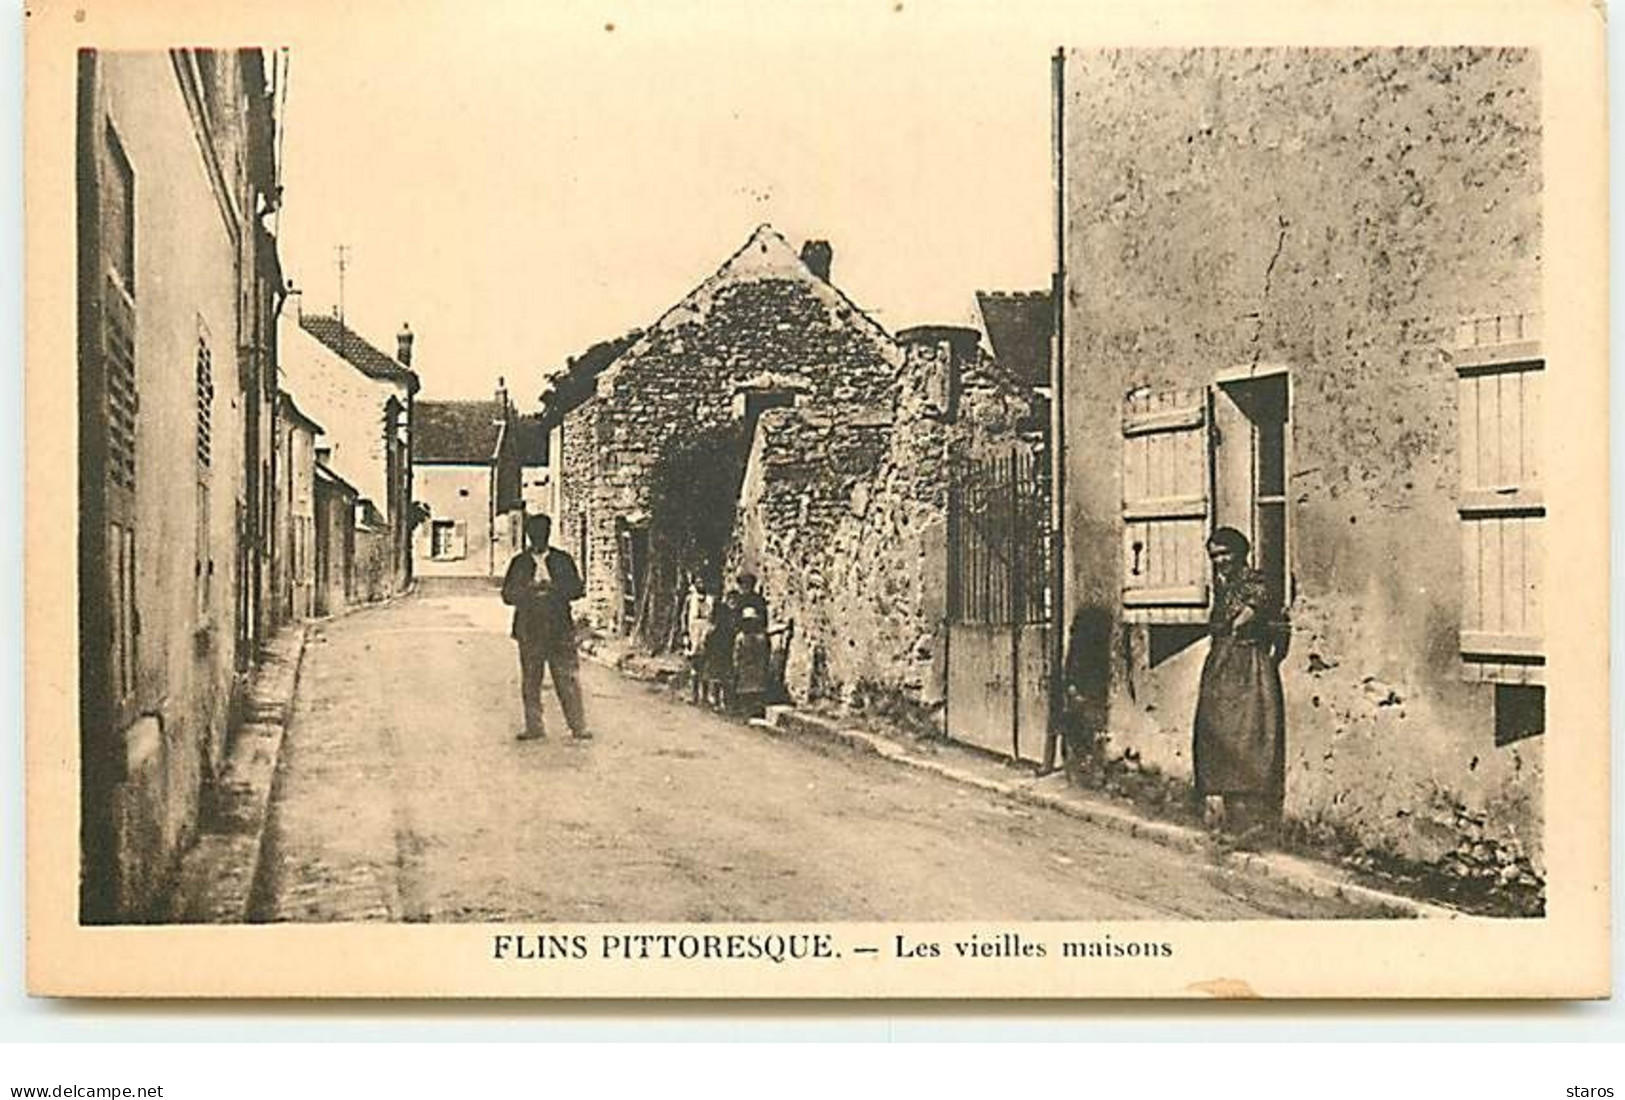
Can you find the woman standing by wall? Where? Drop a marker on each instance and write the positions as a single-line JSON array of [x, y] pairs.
[[1240, 731]]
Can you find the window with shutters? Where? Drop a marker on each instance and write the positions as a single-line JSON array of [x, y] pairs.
[[121, 410], [448, 540], [205, 398], [203, 553], [1500, 367], [1194, 460], [202, 560]]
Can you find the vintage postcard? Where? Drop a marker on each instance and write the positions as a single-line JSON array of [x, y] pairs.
[[879, 499]]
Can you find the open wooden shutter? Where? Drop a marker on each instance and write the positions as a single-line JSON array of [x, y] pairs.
[[1500, 369], [1166, 505], [459, 540]]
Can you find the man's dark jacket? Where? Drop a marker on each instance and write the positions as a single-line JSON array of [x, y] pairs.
[[544, 621]]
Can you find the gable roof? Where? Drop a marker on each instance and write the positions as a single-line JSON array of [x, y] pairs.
[[348, 345], [767, 255], [757, 271], [765, 258], [1018, 327], [461, 432]]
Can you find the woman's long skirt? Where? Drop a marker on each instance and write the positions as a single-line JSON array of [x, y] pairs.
[[1240, 742]]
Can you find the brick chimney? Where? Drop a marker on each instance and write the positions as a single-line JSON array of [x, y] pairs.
[[818, 256], [403, 345]]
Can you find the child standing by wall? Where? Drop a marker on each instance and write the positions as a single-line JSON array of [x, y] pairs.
[[750, 663]]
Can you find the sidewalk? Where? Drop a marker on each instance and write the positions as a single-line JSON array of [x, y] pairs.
[[977, 769], [218, 875]]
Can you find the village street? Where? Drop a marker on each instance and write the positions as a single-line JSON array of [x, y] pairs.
[[403, 795]]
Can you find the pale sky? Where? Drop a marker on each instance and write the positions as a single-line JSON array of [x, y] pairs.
[[522, 185]]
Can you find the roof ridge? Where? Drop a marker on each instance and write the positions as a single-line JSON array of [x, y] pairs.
[[350, 346], [766, 229]]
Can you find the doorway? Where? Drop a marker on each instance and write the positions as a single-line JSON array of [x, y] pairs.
[[1251, 439]]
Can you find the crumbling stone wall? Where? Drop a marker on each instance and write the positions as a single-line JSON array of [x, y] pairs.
[[853, 548], [802, 473], [1338, 213], [573, 528], [763, 312]]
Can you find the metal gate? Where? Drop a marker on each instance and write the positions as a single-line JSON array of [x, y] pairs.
[[999, 604]]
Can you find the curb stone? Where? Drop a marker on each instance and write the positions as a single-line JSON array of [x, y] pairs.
[[218, 875]]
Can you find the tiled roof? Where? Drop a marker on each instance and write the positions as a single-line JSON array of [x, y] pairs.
[[1018, 326], [530, 441], [568, 388], [346, 343], [463, 432]]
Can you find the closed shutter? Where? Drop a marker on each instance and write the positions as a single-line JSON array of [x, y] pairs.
[[1500, 373], [121, 411], [1166, 505]]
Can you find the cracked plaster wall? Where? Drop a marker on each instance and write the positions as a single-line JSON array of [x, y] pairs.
[[1336, 212]]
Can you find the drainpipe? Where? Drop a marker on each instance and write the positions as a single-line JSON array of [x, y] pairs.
[[1057, 443]]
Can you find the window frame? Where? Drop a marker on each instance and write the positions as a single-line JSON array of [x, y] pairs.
[[1151, 411]]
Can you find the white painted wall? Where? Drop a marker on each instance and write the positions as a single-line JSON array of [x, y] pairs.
[[346, 403]]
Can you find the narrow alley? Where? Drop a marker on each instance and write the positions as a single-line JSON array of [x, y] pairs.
[[404, 796]]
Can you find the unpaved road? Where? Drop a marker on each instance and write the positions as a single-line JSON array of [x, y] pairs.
[[403, 795]]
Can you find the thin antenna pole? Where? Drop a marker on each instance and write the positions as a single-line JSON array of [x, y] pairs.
[[343, 251]]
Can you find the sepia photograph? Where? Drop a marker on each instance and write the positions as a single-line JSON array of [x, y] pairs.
[[816, 489]]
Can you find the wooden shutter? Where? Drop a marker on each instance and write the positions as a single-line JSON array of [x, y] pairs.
[[121, 410], [459, 540], [1166, 505], [1500, 373]]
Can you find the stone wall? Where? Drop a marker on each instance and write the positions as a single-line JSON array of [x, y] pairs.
[[373, 571], [801, 477], [846, 524], [572, 527], [672, 395], [1336, 213]]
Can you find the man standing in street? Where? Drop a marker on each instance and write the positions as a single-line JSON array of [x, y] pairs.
[[540, 585]]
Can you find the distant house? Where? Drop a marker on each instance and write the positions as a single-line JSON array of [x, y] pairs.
[[294, 560], [572, 469], [336, 502], [1019, 327], [453, 477], [363, 398], [471, 462], [537, 485]]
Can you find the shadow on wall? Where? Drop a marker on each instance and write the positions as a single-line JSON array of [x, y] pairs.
[[693, 497], [1087, 678]]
